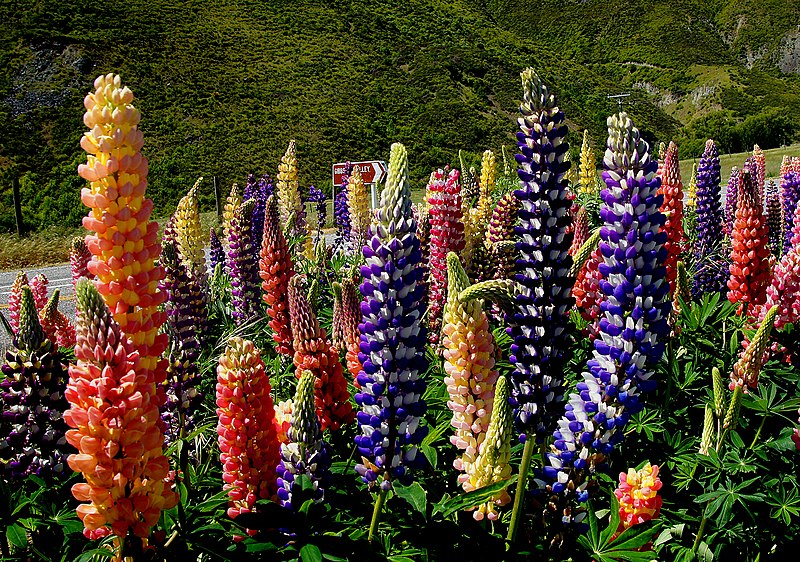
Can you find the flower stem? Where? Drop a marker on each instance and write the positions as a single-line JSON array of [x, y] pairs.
[[700, 531], [527, 453], [758, 433], [376, 514]]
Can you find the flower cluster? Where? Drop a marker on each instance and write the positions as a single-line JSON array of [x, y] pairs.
[[346, 318], [232, 203], [15, 299], [487, 184], [305, 453], [290, 204], [216, 254], [638, 495], [542, 301], [258, 191], [759, 169], [316, 195], [790, 194], [711, 272], [587, 293], [276, 269], [79, 256], [580, 229], [672, 207], [500, 235], [774, 212], [283, 419], [469, 367], [38, 287], [341, 211], [115, 428], [748, 367], [447, 235], [246, 428], [784, 287], [691, 189], [732, 198], [359, 211], [587, 175], [242, 266], [32, 400], [57, 327], [392, 338]]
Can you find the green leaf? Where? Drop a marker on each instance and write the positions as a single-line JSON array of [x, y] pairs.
[[96, 554], [310, 553], [415, 495], [471, 499], [17, 536], [704, 553]]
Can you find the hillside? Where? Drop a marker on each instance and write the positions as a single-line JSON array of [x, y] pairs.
[[223, 85]]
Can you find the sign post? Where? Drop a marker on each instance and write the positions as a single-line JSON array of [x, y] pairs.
[[373, 172]]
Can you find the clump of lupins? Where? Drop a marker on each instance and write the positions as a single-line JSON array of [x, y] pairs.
[[246, 430], [276, 269], [305, 453], [216, 254], [587, 175], [313, 352], [732, 198], [341, 211], [242, 266], [493, 462], [790, 195], [633, 329], [501, 231], [79, 256], [711, 272], [750, 268], [124, 245], [232, 203], [32, 401], [115, 428], [672, 207], [15, 299], [57, 327], [469, 357], [392, 341], [638, 496], [747, 369], [774, 212], [359, 212], [447, 235]]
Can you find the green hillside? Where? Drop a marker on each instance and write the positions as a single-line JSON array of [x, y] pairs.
[[223, 85]]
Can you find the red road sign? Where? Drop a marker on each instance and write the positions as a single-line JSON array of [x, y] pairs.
[[372, 172]]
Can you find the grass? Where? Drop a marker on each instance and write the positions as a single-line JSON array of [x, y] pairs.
[[773, 156]]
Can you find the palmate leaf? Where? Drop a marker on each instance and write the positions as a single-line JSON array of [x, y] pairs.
[[471, 499], [604, 548]]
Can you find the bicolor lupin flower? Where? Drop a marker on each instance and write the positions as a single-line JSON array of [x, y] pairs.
[[246, 430], [38, 287], [633, 327], [79, 256], [638, 496], [469, 365], [392, 339], [15, 299], [232, 203], [447, 235], [115, 428], [784, 287], [501, 233], [276, 269], [732, 198], [305, 453], [347, 317], [32, 401], [242, 266], [759, 169], [190, 251], [587, 293], [580, 230], [543, 297], [711, 268], [790, 194], [57, 327]]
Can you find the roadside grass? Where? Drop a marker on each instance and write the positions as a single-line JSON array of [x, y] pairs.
[[773, 157]]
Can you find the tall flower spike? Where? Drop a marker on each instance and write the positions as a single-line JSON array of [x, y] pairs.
[[580, 230], [501, 230], [257, 191], [489, 170], [242, 267], [775, 224], [760, 169], [39, 289], [289, 201], [351, 315], [57, 327], [711, 270], [341, 212], [539, 323], [124, 245], [232, 203], [732, 199], [15, 299], [216, 253], [447, 235], [79, 256], [748, 367], [691, 189], [587, 293], [790, 194], [392, 338], [493, 463], [114, 420], [638, 496], [246, 430], [316, 195], [587, 177], [784, 288], [359, 211], [672, 207], [305, 453], [469, 366], [633, 327], [190, 244], [32, 401], [750, 268], [313, 352], [276, 269]]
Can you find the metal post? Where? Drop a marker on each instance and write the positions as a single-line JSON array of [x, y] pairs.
[[17, 205], [217, 198]]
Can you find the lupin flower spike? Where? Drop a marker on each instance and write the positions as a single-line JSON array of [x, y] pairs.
[[283, 419], [316, 195], [124, 245], [750, 268], [15, 299], [632, 330], [232, 203], [774, 212], [580, 231], [248, 442], [587, 176], [32, 401], [501, 230], [313, 352], [672, 207], [748, 367], [79, 256], [341, 212], [242, 266], [732, 198], [638, 496], [359, 211], [276, 269], [257, 191], [469, 353], [790, 194], [586, 290], [392, 340], [487, 184], [447, 235], [305, 453], [351, 315], [189, 245], [711, 272], [216, 253], [784, 288], [493, 463], [38, 287], [115, 428], [682, 292], [289, 201], [760, 169], [691, 189], [57, 327]]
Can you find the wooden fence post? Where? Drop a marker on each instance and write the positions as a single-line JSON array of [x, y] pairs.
[[217, 198], [17, 205]]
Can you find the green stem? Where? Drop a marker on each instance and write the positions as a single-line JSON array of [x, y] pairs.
[[376, 514], [700, 531], [671, 371], [758, 433], [527, 453]]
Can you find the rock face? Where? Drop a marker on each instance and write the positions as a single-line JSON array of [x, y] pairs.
[[789, 53]]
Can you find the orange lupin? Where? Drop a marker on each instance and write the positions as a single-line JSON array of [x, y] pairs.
[[672, 190]]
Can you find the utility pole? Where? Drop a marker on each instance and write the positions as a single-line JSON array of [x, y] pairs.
[[619, 98], [17, 205]]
